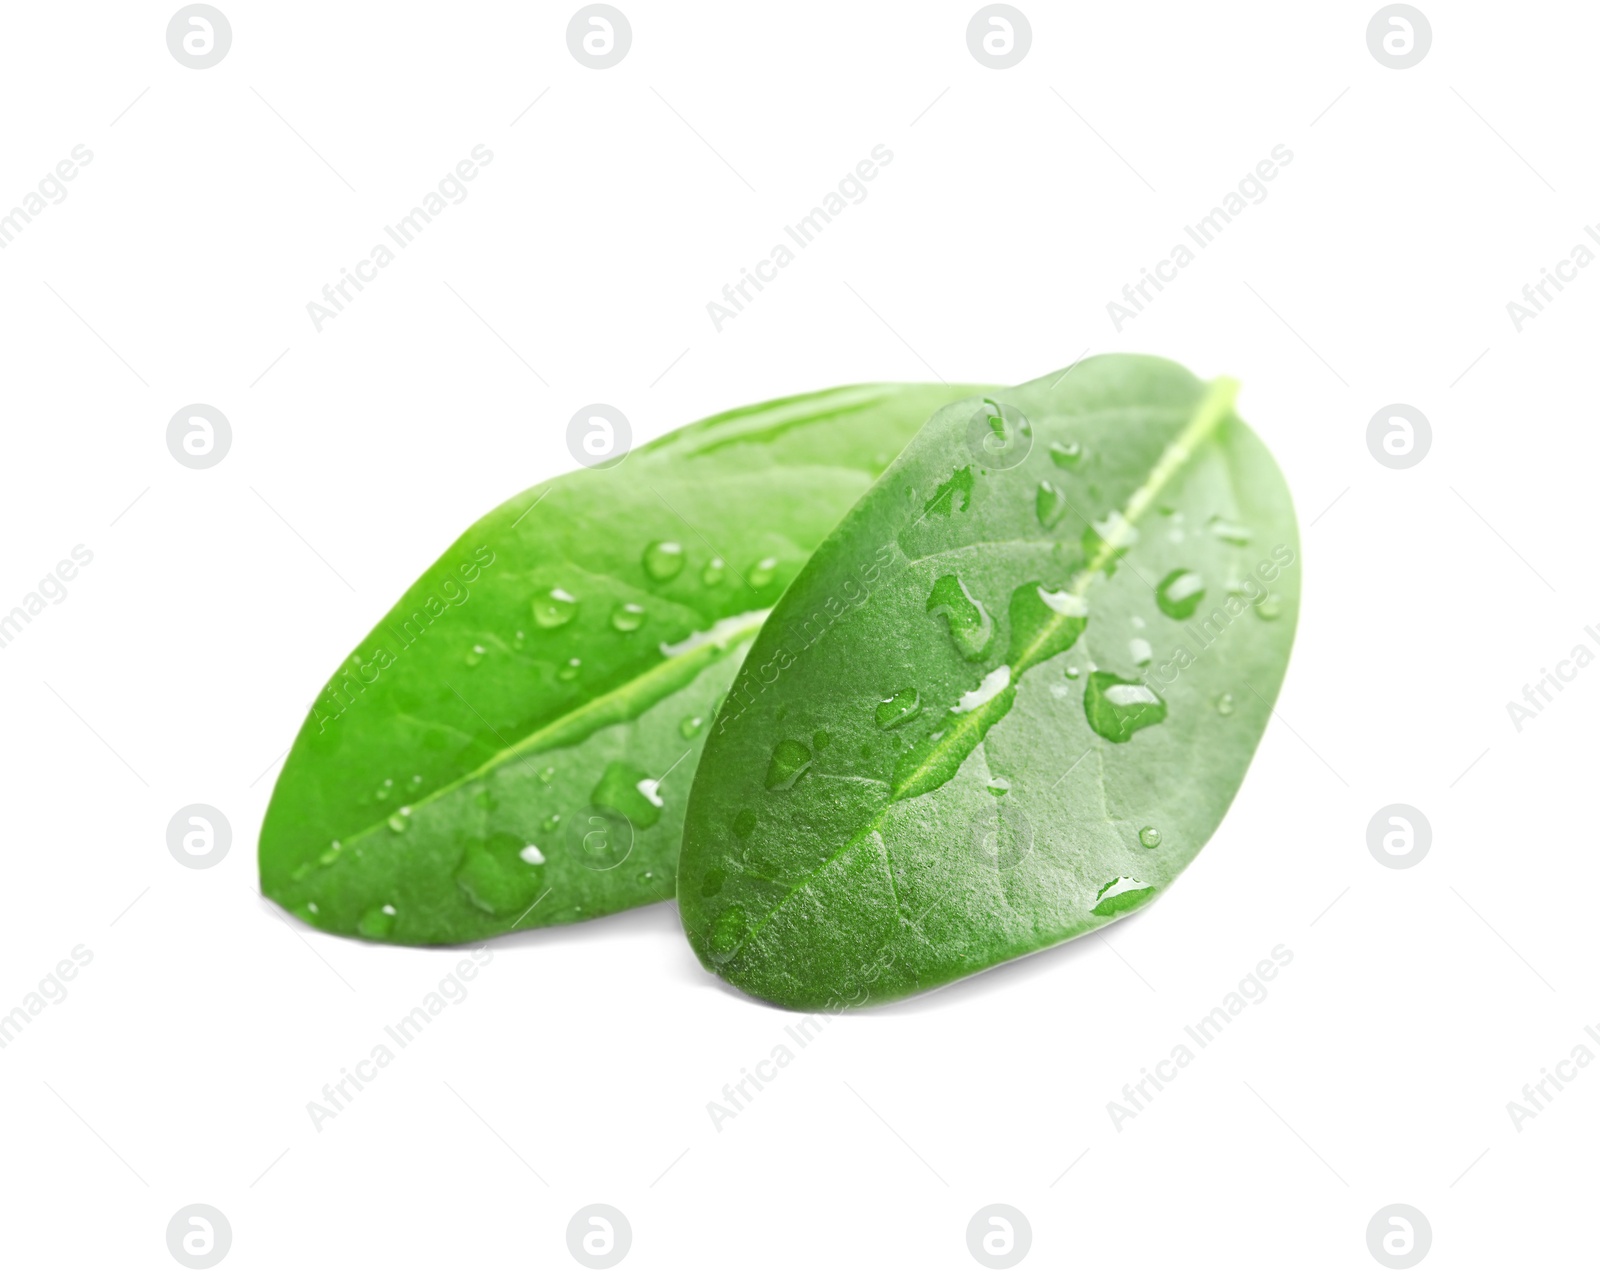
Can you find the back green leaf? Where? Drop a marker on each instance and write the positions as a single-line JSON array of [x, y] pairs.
[[1007, 700], [513, 744]]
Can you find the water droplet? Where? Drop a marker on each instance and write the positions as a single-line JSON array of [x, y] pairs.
[[971, 629], [330, 855], [519, 639], [1066, 455], [501, 875], [1116, 709], [629, 791], [663, 560], [570, 671], [711, 886], [819, 740], [1044, 623], [998, 786], [1149, 837], [1122, 894], [546, 774], [400, 819], [645, 877], [727, 932], [1269, 607], [762, 572], [1073, 674], [551, 823], [1138, 621], [1050, 504], [1106, 541], [378, 922], [987, 689], [416, 782], [474, 656], [555, 608], [627, 617], [1225, 704], [744, 824], [898, 708], [1231, 532], [713, 573], [1139, 651], [690, 726], [790, 759], [1179, 593]]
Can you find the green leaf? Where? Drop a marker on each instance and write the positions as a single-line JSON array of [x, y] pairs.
[[1009, 702], [512, 745]]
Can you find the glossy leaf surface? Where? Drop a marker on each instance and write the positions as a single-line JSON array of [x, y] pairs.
[[512, 744], [1008, 699]]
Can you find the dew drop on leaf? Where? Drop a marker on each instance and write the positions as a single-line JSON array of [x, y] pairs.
[[1050, 504], [727, 931], [715, 569], [1179, 593], [1122, 894], [790, 759], [762, 572], [1269, 607], [898, 708], [500, 875], [630, 792], [1230, 532], [970, 627], [554, 608], [530, 853], [663, 560], [569, 671], [1139, 651], [998, 786], [1116, 708], [627, 617], [1149, 837], [474, 656], [377, 922], [400, 819], [1066, 455], [1225, 704], [744, 824], [690, 726]]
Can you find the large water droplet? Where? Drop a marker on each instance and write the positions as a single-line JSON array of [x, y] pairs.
[[1105, 542], [1044, 622], [1050, 504], [971, 629], [377, 922], [1122, 894], [1231, 532], [987, 689], [790, 759], [1066, 455], [762, 572], [663, 560], [727, 931], [1179, 593], [1116, 709], [500, 875], [629, 791], [1149, 837], [1139, 651], [555, 608], [627, 617], [898, 708]]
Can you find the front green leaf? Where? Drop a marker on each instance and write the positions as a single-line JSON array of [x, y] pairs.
[[513, 744], [1008, 699]]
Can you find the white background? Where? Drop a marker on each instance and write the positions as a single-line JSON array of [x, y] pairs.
[[1018, 203]]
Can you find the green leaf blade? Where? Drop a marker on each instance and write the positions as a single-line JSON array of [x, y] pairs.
[[999, 820]]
